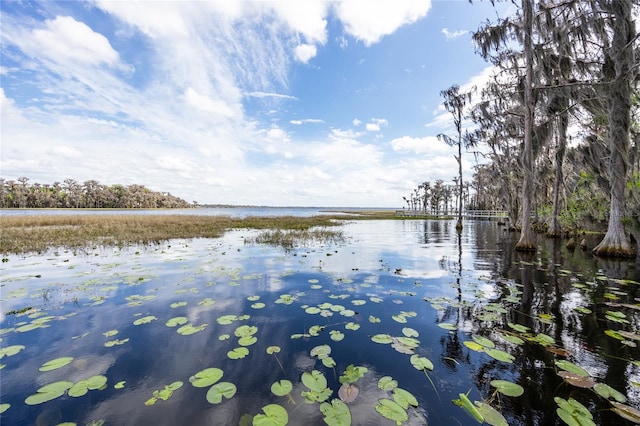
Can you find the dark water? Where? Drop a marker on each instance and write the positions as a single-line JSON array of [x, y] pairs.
[[412, 276]]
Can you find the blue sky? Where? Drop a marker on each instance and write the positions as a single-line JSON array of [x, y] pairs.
[[284, 103]]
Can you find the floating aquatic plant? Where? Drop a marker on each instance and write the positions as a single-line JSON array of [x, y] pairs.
[[507, 388], [144, 320], [81, 387], [54, 364], [392, 410], [316, 382], [165, 393], [336, 413], [49, 392], [272, 415], [220, 391]]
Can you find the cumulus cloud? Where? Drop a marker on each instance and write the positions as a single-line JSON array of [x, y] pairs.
[[369, 21], [375, 124], [307, 120], [305, 52]]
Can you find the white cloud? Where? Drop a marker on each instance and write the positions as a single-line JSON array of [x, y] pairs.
[[376, 124], [270, 95], [356, 122], [423, 145], [371, 20], [449, 35], [305, 52], [307, 120], [207, 104]]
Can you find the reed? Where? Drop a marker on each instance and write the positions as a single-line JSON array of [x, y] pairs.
[[24, 234]]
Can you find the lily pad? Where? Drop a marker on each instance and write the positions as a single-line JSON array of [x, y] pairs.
[[221, 390], [387, 383], [10, 350], [404, 398], [206, 377], [282, 387], [336, 413], [145, 320], [483, 341], [577, 380], [490, 414], [391, 410], [189, 329], [608, 392], [54, 364], [499, 355], [238, 353], [507, 388], [626, 412], [4, 407], [421, 363], [382, 338], [448, 326], [348, 392], [172, 322], [274, 415], [571, 367], [473, 346], [48, 392], [314, 380], [573, 413]]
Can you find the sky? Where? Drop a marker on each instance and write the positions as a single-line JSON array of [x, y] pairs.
[[276, 103]]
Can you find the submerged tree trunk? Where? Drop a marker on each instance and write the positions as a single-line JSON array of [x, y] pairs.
[[527, 240], [616, 241]]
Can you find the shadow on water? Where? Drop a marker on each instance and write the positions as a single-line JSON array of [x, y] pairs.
[[394, 290]]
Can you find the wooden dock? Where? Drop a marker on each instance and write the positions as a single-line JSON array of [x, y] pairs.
[[466, 214]]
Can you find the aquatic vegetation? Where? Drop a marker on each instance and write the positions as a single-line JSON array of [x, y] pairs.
[[54, 364], [165, 393]]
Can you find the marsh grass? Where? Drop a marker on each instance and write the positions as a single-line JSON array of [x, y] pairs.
[[24, 234], [291, 238]]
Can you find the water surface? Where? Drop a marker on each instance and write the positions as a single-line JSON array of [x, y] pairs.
[[395, 278]]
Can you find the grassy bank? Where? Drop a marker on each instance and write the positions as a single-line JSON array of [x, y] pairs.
[[24, 234]]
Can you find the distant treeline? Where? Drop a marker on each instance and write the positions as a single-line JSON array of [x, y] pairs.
[[90, 194]]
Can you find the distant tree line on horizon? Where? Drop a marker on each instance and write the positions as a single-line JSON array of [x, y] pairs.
[[559, 121], [21, 193]]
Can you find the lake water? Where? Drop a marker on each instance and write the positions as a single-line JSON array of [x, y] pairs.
[[441, 315]]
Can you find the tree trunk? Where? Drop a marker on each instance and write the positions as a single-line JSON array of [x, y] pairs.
[[527, 240], [616, 242], [563, 121], [459, 224]]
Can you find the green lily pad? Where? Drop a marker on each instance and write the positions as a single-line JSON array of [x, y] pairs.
[[321, 351], [448, 326], [312, 310], [206, 377], [4, 407], [238, 353], [245, 331], [10, 350], [336, 335], [273, 349], [374, 319], [115, 342], [144, 320], [258, 305], [473, 346], [172, 322], [499, 355], [382, 338], [421, 363], [573, 413], [391, 410], [48, 392], [227, 319], [120, 385], [336, 414], [483, 341], [274, 415], [110, 333], [352, 326], [353, 373], [404, 398], [54, 364], [282, 387], [314, 380], [178, 304], [507, 388], [221, 390], [490, 414], [189, 329], [608, 392], [518, 327], [410, 332], [387, 383], [571, 367]]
